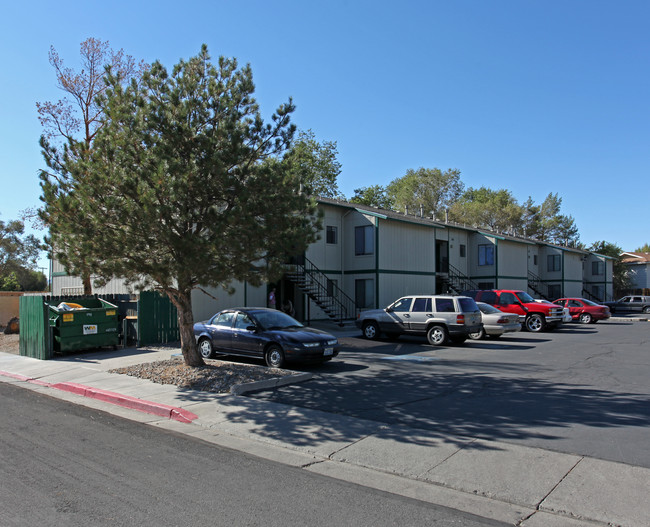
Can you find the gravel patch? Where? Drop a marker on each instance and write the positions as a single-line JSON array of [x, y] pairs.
[[216, 376]]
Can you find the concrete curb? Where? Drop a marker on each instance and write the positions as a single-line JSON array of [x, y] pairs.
[[240, 389], [125, 401]]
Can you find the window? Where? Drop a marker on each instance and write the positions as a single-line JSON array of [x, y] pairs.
[[445, 305], [364, 294], [364, 240], [486, 254], [224, 319], [553, 262], [463, 251], [489, 297], [332, 234], [422, 305], [598, 268], [402, 305], [534, 259], [507, 298], [243, 321]]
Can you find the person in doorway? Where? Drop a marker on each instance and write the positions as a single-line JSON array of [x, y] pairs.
[[272, 298]]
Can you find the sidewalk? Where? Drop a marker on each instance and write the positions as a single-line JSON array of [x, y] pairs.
[[513, 484]]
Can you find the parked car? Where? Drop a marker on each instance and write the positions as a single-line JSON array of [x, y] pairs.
[[495, 322], [583, 310], [441, 318], [638, 303], [263, 333], [534, 316], [566, 314]]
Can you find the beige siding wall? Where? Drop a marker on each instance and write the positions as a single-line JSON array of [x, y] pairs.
[[457, 238], [513, 262], [406, 247], [573, 265]]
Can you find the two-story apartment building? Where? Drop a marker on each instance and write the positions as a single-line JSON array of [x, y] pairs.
[[368, 257]]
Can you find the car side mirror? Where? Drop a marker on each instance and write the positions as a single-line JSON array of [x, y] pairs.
[[251, 328], [389, 310]]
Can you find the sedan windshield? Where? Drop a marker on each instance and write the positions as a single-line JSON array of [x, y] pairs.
[[275, 320]]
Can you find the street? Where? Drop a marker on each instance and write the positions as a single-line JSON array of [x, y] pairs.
[[64, 464], [581, 389]]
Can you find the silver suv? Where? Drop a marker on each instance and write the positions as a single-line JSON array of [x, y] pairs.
[[440, 318]]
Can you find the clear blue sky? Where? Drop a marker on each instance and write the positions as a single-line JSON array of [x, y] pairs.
[[534, 96]]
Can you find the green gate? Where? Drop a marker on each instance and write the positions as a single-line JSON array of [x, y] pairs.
[[34, 340], [157, 319]]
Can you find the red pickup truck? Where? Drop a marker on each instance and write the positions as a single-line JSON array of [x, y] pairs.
[[534, 316]]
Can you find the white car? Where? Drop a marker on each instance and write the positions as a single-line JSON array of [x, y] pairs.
[[495, 322], [566, 313]]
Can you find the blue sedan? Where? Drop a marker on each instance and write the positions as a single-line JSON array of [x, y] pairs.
[[263, 333]]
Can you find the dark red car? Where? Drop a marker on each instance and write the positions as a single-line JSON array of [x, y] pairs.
[[583, 310]]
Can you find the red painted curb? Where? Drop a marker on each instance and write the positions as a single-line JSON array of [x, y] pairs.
[[126, 401]]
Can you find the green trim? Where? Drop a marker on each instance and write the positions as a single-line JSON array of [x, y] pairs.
[[59, 273], [391, 271], [492, 236], [496, 260], [377, 263], [375, 214]]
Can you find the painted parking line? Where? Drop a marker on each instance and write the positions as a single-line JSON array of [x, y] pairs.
[[411, 358]]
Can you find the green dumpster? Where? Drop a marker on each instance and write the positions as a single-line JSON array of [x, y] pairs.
[[83, 323]]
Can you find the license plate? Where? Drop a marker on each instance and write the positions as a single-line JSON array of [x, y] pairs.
[[328, 351]]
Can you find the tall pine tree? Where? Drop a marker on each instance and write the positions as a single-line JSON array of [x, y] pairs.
[[186, 186]]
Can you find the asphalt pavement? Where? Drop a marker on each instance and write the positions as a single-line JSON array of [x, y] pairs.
[[514, 484]]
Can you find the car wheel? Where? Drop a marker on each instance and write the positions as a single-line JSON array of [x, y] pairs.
[[205, 348], [437, 335], [585, 318], [371, 330], [646, 310], [274, 357], [535, 323], [480, 334]]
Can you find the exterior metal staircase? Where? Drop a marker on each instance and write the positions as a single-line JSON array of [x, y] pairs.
[[457, 281], [535, 283], [322, 291]]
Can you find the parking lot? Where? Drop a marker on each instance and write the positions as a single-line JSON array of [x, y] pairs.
[[582, 389]]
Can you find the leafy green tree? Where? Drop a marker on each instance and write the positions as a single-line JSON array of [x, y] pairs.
[[78, 119], [9, 282], [185, 186], [315, 165], [621, 279], [497, 210], [428, 188], [372, 196], [17, 250], [643, 249]]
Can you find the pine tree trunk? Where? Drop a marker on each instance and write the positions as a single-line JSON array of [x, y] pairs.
[[88, 287], [183, 301]]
